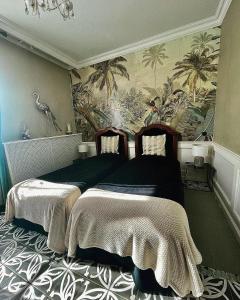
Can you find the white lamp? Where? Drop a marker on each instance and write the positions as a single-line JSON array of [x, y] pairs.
[[83, 150], [199, 152], [69, 128]]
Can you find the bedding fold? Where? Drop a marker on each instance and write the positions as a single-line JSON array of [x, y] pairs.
[[44, 203], [153, 231]]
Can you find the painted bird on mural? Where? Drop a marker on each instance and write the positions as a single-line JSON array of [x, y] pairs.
[[43, 107]]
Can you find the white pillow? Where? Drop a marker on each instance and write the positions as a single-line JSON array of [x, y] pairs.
[[154, 144], [109, 144]]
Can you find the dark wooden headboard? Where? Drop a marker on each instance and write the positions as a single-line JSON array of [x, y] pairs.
[[111, 131], [172, 138]]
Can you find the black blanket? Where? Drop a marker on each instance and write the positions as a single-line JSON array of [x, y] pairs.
[[84, 174], [87, 172], [147, 175]]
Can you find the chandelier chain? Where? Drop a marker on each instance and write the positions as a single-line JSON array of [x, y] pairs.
[[65, 7]]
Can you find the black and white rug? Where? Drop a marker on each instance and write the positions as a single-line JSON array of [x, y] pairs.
[[196, 185], [29, 270]]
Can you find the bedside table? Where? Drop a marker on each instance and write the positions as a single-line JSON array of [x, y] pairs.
[[200, 179]]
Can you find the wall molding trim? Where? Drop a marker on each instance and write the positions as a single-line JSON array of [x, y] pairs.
[[223, 201], [230, 155], [184, 149], [14, 30], [222, 10], [227, 183], [70, 62], [152, 41], [167, 36]]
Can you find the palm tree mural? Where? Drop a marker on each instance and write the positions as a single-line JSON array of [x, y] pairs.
[[150, 96], [196, 66], [82, 95], [104, 74], [202, 41], [153, 57]]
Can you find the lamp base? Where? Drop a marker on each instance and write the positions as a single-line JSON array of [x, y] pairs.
[[198, 161], [83, 155]]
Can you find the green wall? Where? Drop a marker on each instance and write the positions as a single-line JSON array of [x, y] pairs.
[[227, 118]]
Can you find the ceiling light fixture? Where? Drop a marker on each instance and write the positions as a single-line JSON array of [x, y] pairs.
[[65, 7]]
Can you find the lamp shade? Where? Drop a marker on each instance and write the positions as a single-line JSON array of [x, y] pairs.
[[83, 148], [199, 150]]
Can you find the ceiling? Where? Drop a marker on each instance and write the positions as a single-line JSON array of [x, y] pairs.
[[103, 29]]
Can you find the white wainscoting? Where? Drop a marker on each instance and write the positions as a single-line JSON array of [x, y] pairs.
[[36, 157], [227, 183], [184, 150], [92, 149]]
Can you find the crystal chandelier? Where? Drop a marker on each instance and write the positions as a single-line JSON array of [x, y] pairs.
[[65, 7]]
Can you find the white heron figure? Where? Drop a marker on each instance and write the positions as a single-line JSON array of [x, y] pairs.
[[43, 107]]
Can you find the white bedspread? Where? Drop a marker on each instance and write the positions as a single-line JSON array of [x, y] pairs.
[[153, 231], [44, 203]]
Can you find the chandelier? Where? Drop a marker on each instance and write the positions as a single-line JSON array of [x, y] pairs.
[[65, 7]]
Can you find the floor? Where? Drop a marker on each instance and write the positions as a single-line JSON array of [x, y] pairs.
[[29, 270], [211, 232]]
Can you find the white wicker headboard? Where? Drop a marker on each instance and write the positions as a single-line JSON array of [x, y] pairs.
[[36, 157]]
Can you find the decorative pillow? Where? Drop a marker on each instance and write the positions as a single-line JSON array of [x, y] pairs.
[[154, 144], [109, 144]]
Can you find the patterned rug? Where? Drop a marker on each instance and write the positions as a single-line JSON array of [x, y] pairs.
[[29, 270], [196, 185]]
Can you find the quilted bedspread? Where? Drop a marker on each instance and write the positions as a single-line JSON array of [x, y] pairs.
[[153, 231], [44, 203]]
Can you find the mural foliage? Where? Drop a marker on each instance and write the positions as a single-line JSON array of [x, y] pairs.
[[173, 83]]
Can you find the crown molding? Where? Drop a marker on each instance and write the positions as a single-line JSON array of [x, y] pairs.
[[34, 50], [167, 36], [70, 62], [14, 30], [222, 10], [149, 42]]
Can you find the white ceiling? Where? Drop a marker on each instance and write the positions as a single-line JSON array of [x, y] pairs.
[[105, 28]]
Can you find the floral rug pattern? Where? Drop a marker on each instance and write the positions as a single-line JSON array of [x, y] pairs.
[[29, 270]]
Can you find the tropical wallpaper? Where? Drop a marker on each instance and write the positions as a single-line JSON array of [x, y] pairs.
[[173, 83]]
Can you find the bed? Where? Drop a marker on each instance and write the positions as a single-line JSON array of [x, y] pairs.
[[151, 175], [143, 181], [45, 203], [87, 172]]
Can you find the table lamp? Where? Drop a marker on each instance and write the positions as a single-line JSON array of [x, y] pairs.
[[199, 153], [83, 150]]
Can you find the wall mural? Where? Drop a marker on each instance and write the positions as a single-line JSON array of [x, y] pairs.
[[172, 83]]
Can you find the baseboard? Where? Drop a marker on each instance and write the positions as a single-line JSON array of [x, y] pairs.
[[223, 201]]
